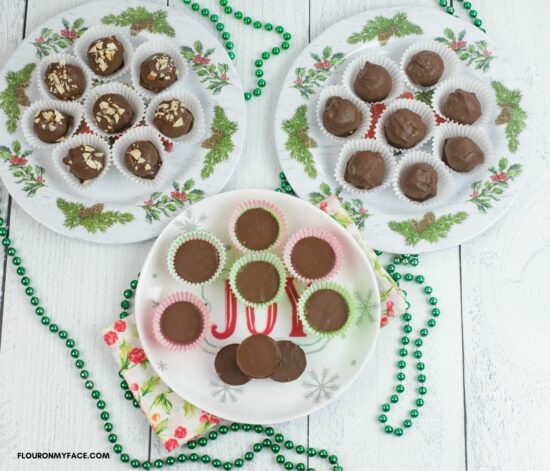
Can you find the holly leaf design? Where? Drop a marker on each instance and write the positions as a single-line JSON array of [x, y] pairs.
[[299, 142], [162, 401], [149, 385]]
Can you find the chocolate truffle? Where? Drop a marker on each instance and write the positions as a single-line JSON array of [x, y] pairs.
[[326, 310], [142, 158], [341, 117], [173, 119], [312, 258], [227, 368], [404, 128], [65, 81], [258, 282], [196, 261], [373, 83], [85, 162], [419, 182], [182, 323], [293, 362], [257, 229], [157, 72], [365, 170], [258, 356], [106, 55], [462, 107], [462, 154], [112, 113], [425, 68], [51, 126]]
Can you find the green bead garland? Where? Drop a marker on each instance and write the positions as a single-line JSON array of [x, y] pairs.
[[467, 6]]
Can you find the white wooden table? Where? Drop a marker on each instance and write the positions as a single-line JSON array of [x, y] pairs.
[[488, 375]]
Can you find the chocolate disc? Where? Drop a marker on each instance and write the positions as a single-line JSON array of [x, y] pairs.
[[425, 68], [312, 258], [196, 261], [293, 362], [106, 55], [373, 83], [326, 310], [462, 107], [365, 170], [341, 117], [64, 81], [227, 368], [85, 162], [419, 182], [157, 72], [143, 159], [173, 119], [404, 128], [51, 126], [258, 356], [257, 229], [182, 323], [258, 282], [462, 154]]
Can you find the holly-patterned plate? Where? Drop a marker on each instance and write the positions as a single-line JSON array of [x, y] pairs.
[[309, 159], [331, 365], [117, 210]]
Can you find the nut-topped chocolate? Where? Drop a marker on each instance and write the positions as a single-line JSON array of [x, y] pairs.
[[257, 229], [404, 128], [182, 323], [157, 72], [312, 258], [112, 113], [419, 182], [173, 119], [196, 261], [258, 282], [425, 68], [106, 55], [326, 310], [258, 356], [85, 162], [462, 107], [462, 154], [143, 159], [65, 81], [51, 125], [341, 117], [365, 170], [373, 83]]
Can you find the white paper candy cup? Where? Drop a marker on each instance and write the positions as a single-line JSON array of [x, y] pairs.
[[476, 134], [444, 179], [372, 145], [417, 107], [448, 56], [157, 45], [62, 150], [142, 133], [69, 108], [192, 103], [393, 69], [483, 93], [136, 102], [336, 90], [67, 59], [96, 32]]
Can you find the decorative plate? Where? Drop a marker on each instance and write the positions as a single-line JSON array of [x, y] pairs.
[[308, 158], [116, 210], [331, 366]]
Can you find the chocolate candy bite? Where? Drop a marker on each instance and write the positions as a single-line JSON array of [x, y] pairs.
[[196, 261], [258, 356], [373, 83], [173, 119], [425, 68], [257, 229], [462, 107], [51, 126], [182, 323], [293, 362], [419, 182], [326, 310], [341, 117], [365, 170], [258, 282], [312, 258], [462, 154], [157, 72], [112, 113], [143, 159], [227, 368], [85, 162], [404, 128], [65, 81], [106, 56]]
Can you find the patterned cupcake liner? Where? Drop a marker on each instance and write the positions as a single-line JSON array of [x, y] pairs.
[[196, 235], [136, 102], [142, 133], [253, 204], [476, 134], [62, 149], [340, 289], [372, 145], [66, 107], [483, 93], [448, 56], [180, 296], [192, 103], [379, 59], [444, 179], [415, 106], [96, 32], [318, 233], [337, 90], [257, 257], [157, 45]]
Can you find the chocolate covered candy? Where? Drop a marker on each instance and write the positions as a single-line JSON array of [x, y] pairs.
[[196, 261], [419, 182], [258, 282], [143, 159], [312, 258], [365, 170], [462, 107], [293, 362], [85, 162], [112, 113], [157, 72], [326, 310], [51, 126], [404, 128], [227, 368], [341, 117], [258, 356], [106, 56], [182, 323], [462, 154], [257, 229], [173, 119], [373, 83], [65, 81], [425, 68]]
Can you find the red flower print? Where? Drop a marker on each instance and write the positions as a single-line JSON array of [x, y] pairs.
[[180, 432], [120, 326], [134, 387], [389, 309], [198, 59], [323, 206], [323, 65], [69, 33], [40, 40], [40, 179], [110, 337], [137, 355], [178, 195], [205, 417], [16, 160], [458, 45], [148, 202], [474, 194], [171, 444], [499, 177]]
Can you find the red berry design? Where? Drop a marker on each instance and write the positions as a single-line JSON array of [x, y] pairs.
[[110, 337], [120, 326], [137, 355], [171, 444], [180, 432]]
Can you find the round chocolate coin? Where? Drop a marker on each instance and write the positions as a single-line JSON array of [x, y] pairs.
[[257, 229], [196, 261], [326, 310], [312, 258], [258, 356], [182, 323], [258, 282], [293, 362], [227, 368]]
